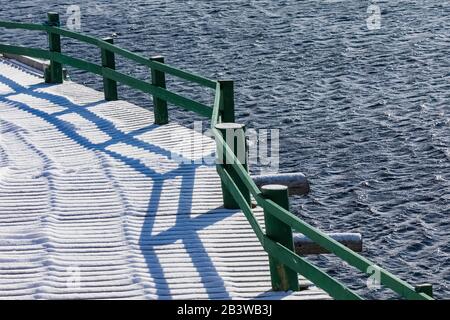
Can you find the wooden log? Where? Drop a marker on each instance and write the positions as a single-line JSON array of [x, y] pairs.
[[296, 182], [304, 246]]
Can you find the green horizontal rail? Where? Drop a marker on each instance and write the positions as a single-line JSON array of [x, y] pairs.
[[389, 280], [165, 94], [234, 190], [237, 165], [352, 258], [24, 26], [273, 248], [30, 52], [287, 257], [321, 279], [113, 48]]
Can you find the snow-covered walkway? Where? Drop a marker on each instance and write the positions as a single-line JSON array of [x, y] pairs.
[[92, 204]]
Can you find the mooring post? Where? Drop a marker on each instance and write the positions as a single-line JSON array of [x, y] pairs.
[[425, 288], [159, 105], [283, 278], [227, 105], [234, 136], [109, 61], [55, 74]]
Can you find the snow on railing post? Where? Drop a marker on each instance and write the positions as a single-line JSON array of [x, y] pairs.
[[159, 105], [108, 61], [55, 73], [283, 278]]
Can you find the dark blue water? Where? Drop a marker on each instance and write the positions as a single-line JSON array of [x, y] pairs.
[[363, 113]]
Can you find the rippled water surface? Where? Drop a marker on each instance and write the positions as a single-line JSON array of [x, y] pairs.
[[363, 113]]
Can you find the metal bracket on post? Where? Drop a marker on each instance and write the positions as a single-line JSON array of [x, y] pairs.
[[234, 136], [55, 73], [159, 105], [108, 61], [283, 278], [227, 105]]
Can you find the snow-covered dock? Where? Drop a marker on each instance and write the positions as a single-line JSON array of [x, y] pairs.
[[92, 205]]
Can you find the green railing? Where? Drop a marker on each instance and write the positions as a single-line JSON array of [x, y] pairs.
[[237, 185]]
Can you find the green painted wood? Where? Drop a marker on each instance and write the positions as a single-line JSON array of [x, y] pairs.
[[168, 96], [397, 285], [351, 257], [47, 75], [77, 63], [425, 288], [176, 99], [159, 105], [109, 61], [282, 277], [333, 287], [112, 48], [29, 52], [227, 101], [59, 57], [183, 74], [286, 256], [234, 135], [239, 198], [54, 43], [24, 26], [136, 58], [237, 166]]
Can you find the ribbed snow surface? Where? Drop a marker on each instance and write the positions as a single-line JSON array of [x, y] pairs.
[[93, 204]]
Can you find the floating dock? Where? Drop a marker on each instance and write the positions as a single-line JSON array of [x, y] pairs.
[[92, 205]]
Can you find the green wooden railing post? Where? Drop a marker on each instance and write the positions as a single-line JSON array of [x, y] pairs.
[[159, 105], [234, 136], [55, 74], [283, 278], [108, 61], [227, 105]]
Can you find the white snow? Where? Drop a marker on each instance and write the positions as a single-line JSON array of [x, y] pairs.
[[92, 208]]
